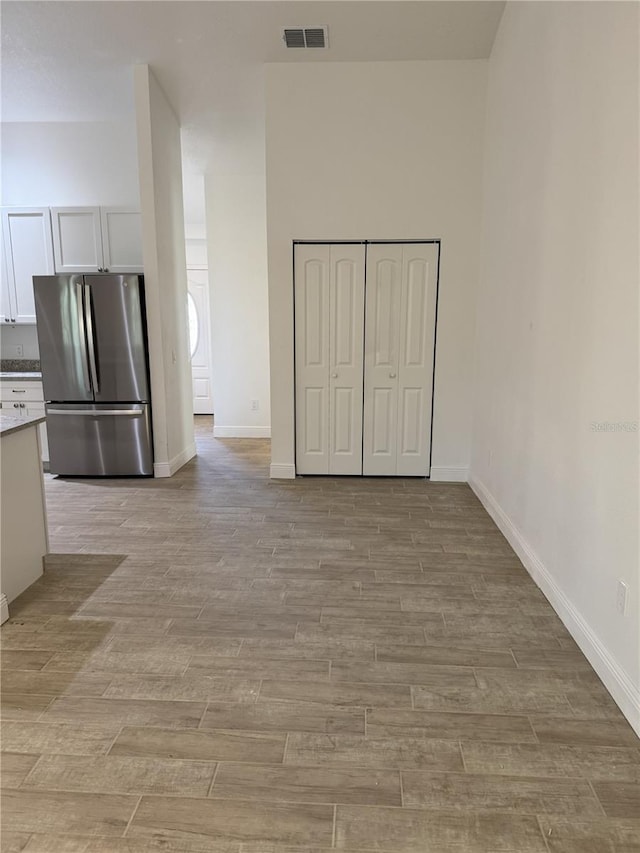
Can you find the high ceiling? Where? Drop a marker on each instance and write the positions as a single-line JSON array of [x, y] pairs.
[[71, 61]]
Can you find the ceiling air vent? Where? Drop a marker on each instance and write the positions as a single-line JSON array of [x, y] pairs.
[[307, 37]]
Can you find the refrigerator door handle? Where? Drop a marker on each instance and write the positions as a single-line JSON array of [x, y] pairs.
[[83, 331], [91, 339], [93, 413]]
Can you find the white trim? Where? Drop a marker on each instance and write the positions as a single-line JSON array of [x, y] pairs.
[[241, 431], [625, 694], [168, 469], [449, 475], [4, 608], [282, 472]]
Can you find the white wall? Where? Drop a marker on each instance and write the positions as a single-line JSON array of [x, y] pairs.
[[557, 336], [160, 169], [237, 252], [196, 249], [22, 334], [58, 164], [384, 150]]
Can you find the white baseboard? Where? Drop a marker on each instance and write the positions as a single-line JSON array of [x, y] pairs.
[[448, 475], [4, 608], [168, 469], [241, 431], [282, 472], [625, 694]]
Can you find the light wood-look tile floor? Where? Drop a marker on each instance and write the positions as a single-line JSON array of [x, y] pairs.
[[219, 663]]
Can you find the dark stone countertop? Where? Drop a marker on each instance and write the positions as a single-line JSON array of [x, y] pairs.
[[19, 365]]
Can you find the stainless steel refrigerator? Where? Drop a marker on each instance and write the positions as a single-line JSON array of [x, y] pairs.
[[93, 356]]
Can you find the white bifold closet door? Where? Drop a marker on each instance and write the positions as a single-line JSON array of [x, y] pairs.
[[329, 323], [399, 353]]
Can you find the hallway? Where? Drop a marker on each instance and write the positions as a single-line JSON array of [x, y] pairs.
[[223, 663]]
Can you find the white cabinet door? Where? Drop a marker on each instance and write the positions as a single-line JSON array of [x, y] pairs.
[[329, 299], [312, 314], [77, 239], [121, 239], [28, 251], [25, 399], [399, 353]]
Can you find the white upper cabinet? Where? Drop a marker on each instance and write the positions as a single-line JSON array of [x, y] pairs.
[[121, 239], [96, 239], [27, 251], [77, 239]]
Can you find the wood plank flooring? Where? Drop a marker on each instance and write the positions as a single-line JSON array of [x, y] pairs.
[[220, 663]]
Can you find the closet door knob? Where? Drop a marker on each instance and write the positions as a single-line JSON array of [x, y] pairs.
[[392, 376], [334, 375]]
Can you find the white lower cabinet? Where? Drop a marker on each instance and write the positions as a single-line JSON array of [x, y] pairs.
[[23, 400], [364, 357]]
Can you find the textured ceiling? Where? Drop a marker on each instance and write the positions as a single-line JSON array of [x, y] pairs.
[[71, 61]]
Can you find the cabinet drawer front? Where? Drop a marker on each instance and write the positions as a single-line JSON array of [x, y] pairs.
[[20, 392]]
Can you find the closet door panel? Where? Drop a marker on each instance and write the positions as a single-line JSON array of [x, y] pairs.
[[314, 406], [342, 437], [312, 274], [415, 375], [382, 341], [412, 422], [346, 336], [384, 417]]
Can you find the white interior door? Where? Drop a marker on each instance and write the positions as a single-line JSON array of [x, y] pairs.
[[382, 346], [329, 314], [399, 352], [417, 346], [363, 403], [311, 290], [346, 358], [200, 340]]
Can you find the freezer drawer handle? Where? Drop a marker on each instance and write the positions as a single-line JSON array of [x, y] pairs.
[[128, 413]]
